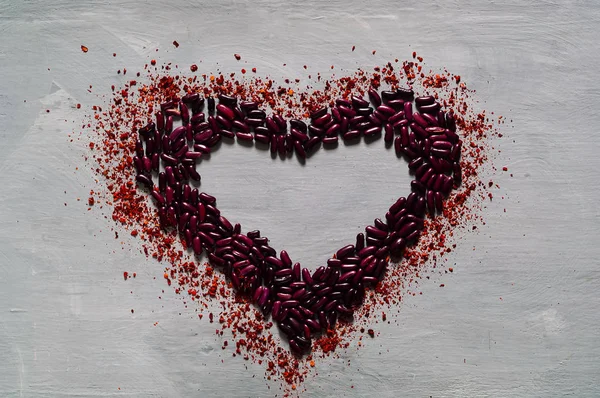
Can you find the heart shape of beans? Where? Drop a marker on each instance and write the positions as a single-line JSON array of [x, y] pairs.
[[302, 303]]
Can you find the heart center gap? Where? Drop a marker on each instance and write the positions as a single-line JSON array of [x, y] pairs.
[[311, 209]]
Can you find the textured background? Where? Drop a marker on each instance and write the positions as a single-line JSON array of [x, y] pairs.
[[65, 323]]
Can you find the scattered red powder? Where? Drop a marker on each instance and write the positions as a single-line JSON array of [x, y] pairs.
[[132, 105]]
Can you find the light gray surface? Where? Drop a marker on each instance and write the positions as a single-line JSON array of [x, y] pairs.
[[65, 322]]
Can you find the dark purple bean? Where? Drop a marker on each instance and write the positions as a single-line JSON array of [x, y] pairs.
[[257, 114], [281, 123], [281, 145], [399, 205], [347, 112], [374, 97], [296, 271], [262, 130], [372, 131], [345, 251], [408, 113], [360, 242], [298, 135], [144, 180], [211, 105], [319, 113], [300, 149], [203, 136], [262, 138], [172, 112], [450, 121], [367, 251], [169, 125], [197, 246], [425, 100], [223, 122], [333, 130], [343, 102], [244, 136], [375, 232], [316, 276], [193, 173], [330, 140], [420, 121], [264, 296], [374, 120], [190, 98], [334, 262], [440, 153], [272, 125], [357, 120], [226, 133], [298, 125], [397, 247], [313, 325], [283, 271], [398, 146], [366, 112], [185, 114], [439, 202], [417, 186], [397, 104], [337, 116], [389, 134], [358, 102], [248, 106], [352, 134], [432, 109], [405, 93], [160, 121], [315, 131], [447, 185], [456, 151], [322, 120], [431, 121], [382, 252], [290, 304], [274, 261], [389, 95], [178, 132]]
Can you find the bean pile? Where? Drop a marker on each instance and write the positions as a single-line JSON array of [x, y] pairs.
[[302, 303]]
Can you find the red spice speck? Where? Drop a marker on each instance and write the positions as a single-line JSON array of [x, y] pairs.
[[125, 275], [353, 48], [194, 67], [175, 43], [153, 62], [84, 48], [237, 56]]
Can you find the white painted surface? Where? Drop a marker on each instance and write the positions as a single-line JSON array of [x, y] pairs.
[[65, 322]]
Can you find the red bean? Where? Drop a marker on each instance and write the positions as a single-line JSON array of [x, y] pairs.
[[374, 97]]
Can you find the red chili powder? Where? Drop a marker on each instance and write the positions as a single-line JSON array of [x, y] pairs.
[[131, 106]]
